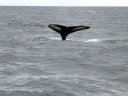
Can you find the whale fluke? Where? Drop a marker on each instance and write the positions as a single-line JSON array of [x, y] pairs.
[[66, 30]]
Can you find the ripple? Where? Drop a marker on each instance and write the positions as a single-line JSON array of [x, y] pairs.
[[36, 93]]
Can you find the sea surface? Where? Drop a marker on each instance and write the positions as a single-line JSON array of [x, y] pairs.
[[35, 62]]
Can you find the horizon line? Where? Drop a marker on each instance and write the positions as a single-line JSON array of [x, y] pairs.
[[61, 6]]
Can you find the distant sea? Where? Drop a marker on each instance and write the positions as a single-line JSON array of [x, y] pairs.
[[35, 62]]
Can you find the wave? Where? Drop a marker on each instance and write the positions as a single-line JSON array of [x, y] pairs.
[[96, 40], [21, 23], [35, 93]]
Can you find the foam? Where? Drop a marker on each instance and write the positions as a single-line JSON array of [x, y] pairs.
[[96, 40], [89, 40]]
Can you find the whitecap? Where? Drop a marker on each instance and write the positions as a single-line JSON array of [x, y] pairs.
[[92, 11], [55, 38], [93, 40], [20, 30]]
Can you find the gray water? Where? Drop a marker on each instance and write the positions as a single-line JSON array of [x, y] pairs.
[[35, 62]]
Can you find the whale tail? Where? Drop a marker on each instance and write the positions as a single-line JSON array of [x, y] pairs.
[[64, 31]]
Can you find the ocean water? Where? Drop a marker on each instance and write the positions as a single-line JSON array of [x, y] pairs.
[[35, 62]]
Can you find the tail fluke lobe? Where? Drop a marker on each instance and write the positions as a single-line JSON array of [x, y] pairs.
[[57, 28], [65, 31], [77, 28]]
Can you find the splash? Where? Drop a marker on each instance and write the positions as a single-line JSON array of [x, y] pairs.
[[96, 40], [89, 40]]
